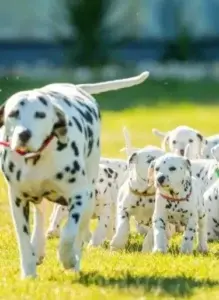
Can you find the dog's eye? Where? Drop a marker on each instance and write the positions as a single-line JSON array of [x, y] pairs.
[[190, 141], [174, 141], [40, 115], [14, 114], [157, 169], [172, 169]]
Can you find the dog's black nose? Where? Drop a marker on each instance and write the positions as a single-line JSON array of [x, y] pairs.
[[161, 179], [182, 152], [24, 136]]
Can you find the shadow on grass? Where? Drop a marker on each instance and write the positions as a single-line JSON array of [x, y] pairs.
[[150, 93], [175, 286]]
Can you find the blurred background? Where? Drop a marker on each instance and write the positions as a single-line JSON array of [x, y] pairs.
[[89, 40]]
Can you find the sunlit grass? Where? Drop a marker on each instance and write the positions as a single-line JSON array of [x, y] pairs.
[[128, 274]]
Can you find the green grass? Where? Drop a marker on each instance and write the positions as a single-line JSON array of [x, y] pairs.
[[128, 274]]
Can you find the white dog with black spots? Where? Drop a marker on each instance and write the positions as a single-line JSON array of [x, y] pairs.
[[106, 189], [179, 200], [135, 197], [52, 151]]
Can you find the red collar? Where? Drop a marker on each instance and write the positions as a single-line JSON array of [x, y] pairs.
[[30, 154], [175, 199]]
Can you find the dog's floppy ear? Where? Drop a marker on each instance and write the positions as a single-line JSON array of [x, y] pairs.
[[150, 175], [2, 108], [133, 158], [60, 129], [203, 141]]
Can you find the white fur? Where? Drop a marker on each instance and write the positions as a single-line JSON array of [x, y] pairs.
[[131, 198], [65, 104], [177, 182], [178, 138]]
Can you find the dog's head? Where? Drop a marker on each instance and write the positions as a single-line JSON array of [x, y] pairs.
[[138, 165], [171, 174], [211, 142], [30, 117], [178, 139]]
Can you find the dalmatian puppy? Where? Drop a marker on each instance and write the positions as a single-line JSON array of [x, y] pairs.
[[52, 150], [135, 197], [211, 142], [179, 199], [113, 168], [178, 139], [106, 189], [211, 197]]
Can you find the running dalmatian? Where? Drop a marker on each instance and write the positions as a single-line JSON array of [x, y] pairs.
[[106, 190], [135, 197], [179, 199], [52, 151]]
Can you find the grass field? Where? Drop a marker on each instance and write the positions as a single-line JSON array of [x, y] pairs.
[[128, 274]]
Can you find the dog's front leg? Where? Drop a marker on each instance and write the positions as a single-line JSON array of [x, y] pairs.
[[81, 205], [59, 214], [159, 223], [148, 241], [38, 239], [189, 234], [20, 215], [100, 233], [120, 238], [202, 233]]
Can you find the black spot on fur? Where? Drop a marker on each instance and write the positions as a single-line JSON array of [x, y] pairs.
[[40, 115], [62, 201], [61, 146], [71, 208], [76, 167], [25, 229], [78, 197], [77, 124], [25, 195], [26, 211], [18, 202], [79, 203], [18, 176], [22, 103], [75, 217], [75, 148], [11, 166], [72, 180], [59, 176], [43, 101], [65, 99], [98, 143], [69, 123], [67, 168]]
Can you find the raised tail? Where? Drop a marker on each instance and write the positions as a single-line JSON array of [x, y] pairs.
[[101, 87]]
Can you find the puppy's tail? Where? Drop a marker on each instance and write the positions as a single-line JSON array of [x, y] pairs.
[[101, 87], [159, 133], [128, 147]]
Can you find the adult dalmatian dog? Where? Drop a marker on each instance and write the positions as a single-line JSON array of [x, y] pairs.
[[106, 189], [52, 150], [179, 198]]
